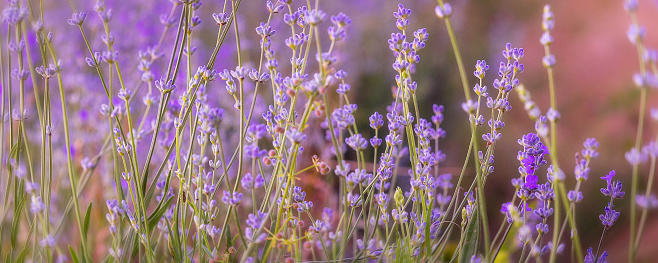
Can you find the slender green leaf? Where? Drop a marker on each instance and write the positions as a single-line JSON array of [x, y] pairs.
[[73, 255], [157, 214], [18, 213], [470, 238], [22, 255], [13, 152], [87, 216]]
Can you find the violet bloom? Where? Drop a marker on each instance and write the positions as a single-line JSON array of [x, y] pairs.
[[530, 182], [613, 189], [590, 257], [257, 220], [481, 68], [357, 142], [609, 217], [647, 203], [635, 157], [506, 210], [233, 199], [399, 217], [376, 121]]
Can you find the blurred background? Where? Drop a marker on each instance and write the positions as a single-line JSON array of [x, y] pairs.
[[595, 62]]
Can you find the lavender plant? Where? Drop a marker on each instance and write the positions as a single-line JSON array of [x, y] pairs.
[[211, 166]]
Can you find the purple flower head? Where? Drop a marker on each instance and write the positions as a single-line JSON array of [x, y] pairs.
[[398, 42], [542, 228], [610, 216], [93, 61], [650, 55], [591, 258], [327, 215], [37, 205], [247, 181], [343, 88], [506, 210], [591, 145], [613, 189], [545, 192], [581, 170], [257, 220], [265, 30], [249, 235], [402, 12], [221, 18], [209, 189], [575, 196], [274, 8], [357, 142], [552, 115], [646, 80], [233, 199], [256, 131], [375, 142], [470, 106], [253, 151], [399, 217], [296, 136], [421, 36], [355, 200], [533, 152], [315, 16], [481, 91], [343, 116], [376, 121], [530, 182], [609, 176], [165, 86], [359, 176], [650, 202], [481, 68], [253, 75], [341, 20], [546, 39], [548, 19], [630, 5], [443, 11], [296, 41], [635, 33], [77, 19], [13, 14]]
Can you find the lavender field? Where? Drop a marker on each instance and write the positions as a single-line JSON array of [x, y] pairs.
[[328, 131]]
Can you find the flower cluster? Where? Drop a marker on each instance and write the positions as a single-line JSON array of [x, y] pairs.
[[253, 149]]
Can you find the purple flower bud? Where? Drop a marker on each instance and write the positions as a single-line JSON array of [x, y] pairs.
[[221, 18], [469, 106], [548, 19], [402, 12], [609, 217], [546, 39], [315, 16], [645, 202], [548, 61], [444, 11], [635, 34], [591, 258], [341, 20], [233, 199], [77, 19], [575, 196], [635, 157], [630, 5]]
